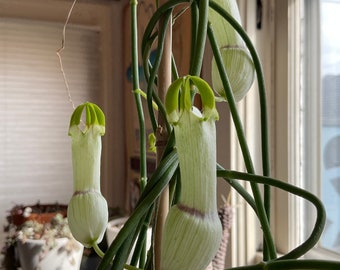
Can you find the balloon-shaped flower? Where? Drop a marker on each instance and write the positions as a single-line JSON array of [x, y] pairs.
[[87, 211], [236, 58], [192, 231]]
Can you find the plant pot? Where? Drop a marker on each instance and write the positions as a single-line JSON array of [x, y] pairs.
[[42, 213], [65, 255], [114, 227]]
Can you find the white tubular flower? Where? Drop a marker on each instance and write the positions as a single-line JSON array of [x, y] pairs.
[[237, 61], [192, 232], [87, 211]]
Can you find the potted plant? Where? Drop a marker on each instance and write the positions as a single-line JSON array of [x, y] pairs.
[[180, 196], [39, 238], [40, 212]]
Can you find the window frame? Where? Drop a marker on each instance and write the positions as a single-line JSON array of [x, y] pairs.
[[285, 146]]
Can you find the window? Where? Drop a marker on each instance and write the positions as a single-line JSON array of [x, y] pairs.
[[304, 153], [330, 130], [321, 118]]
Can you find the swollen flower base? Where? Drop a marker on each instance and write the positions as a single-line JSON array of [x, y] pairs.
[[87, 211], [192, 231], [235, 55]]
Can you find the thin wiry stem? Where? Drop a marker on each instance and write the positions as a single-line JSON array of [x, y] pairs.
[[61, 49], [137, 96]]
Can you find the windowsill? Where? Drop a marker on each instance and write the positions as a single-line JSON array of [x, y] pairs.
[[321, 254]]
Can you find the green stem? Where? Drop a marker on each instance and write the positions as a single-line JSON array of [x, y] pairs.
[[261, 212], [135, 85], [97, 249], [123, 252], [194, 23], [174, 70], [153, 74], [140, 246], [201, 36], [147, 65], [240, 189]]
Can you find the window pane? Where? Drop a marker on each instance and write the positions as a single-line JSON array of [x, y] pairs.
[[330, 121]]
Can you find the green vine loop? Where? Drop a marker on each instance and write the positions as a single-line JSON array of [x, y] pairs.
[[261, 212], [321, 214]]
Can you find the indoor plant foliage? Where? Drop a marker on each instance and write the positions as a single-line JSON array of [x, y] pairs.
[[192, 196]]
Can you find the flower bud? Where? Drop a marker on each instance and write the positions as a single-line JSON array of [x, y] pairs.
[[87, 211]]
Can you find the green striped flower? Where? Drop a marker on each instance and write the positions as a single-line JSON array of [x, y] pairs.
[[236, 58], [87, 211], [192, 231]]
